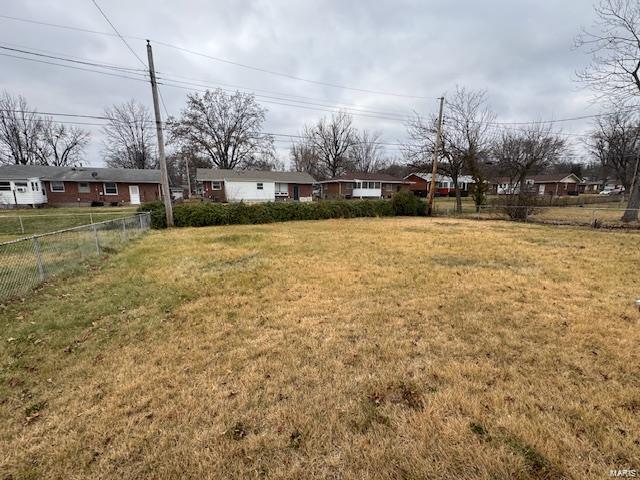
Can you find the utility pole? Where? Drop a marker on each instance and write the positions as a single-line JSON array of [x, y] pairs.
[[434, 160], [186, 162], [164, 175]]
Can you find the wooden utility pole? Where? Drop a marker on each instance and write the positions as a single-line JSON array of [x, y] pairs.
[[186, 162], [164, 175], [434, 160]]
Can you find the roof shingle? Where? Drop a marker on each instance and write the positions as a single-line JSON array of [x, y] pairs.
[[79, 174]]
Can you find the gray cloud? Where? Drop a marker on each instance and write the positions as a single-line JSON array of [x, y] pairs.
[[520, 51]]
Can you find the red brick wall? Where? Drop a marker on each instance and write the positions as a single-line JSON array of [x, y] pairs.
[[210, 193], [303, 190], [149, 192], [420, 185]]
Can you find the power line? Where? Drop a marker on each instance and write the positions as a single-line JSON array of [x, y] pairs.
[[218, 59], [69, 57], [289, 76], [339, 106], [176, 47], [172, 76], [330, 109], [118, 33], [72, 67], [89, 63]]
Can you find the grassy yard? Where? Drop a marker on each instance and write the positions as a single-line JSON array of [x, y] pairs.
[[24, 222], [368, 348]]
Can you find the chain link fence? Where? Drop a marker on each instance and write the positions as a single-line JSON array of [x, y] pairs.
[[580, 215], [32, 224], [27, 262]]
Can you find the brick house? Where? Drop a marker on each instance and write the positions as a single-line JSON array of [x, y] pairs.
[[77, 186], [222, 185], [421, 182], [362, 185], [558, 184]]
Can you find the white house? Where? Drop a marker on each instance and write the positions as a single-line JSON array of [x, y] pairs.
[[222, 185], [23, 191]]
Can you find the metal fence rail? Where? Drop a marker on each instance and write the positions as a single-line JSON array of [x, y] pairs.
[[29, 224], [27, 262]]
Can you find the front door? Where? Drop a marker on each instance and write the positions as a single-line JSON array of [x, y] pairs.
[[296, 192], [134, 195]]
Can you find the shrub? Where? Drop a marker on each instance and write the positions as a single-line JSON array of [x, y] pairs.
[[407, 204], [158, 217]]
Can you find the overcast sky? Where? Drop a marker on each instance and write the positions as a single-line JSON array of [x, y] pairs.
[[520, 51]]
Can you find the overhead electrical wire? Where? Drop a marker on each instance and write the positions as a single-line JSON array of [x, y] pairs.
[[168, 45], [118, 33], [218, 59], [73, 67]]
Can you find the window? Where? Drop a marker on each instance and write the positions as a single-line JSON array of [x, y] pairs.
[[260, 186], [282, 189], [5, 187], [57, 186], [377, 184], [358, 185], [35, 186], [216, 185], [83, 187], [110, 188]]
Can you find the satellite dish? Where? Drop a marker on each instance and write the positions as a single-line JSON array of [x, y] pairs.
[[94, 174]]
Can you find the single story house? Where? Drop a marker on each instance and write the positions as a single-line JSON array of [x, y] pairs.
[[589, 186], [421, 182], [362, 185], [75, 186], [222, 185], [553, 184]]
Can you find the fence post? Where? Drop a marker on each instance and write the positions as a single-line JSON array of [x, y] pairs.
[[21, 224], [124, 230], [141, 224], [95, 235], [38, 254], [526, 214], [90, 217]]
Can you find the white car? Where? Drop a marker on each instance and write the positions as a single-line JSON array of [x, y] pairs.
[[612, 191]]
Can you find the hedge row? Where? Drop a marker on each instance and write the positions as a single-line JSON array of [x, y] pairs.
[[207, 214]]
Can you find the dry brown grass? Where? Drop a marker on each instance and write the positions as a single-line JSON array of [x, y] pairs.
[[377, 348]]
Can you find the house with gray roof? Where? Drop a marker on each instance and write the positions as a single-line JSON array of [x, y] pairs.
[[222, 185], [354, 185], [37, 185]]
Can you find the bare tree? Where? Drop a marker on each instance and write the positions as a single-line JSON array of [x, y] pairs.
[[59, 145], [421, 145], [332, 140], [226, 128], [614, 45], [469, 138], [520, 153], [303, 157], [20, 130], [129, 137], [614, 142], [367, 154], [614, 72]]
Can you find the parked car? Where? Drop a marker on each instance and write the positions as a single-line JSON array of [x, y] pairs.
[[612, 191]]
